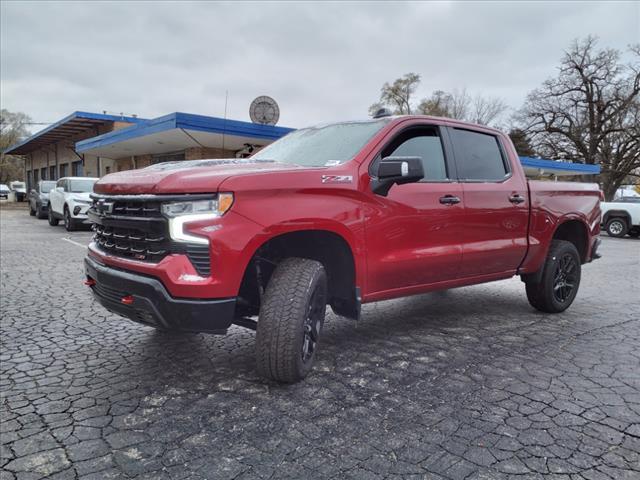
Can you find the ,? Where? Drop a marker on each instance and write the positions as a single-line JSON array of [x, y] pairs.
[[340, 215]]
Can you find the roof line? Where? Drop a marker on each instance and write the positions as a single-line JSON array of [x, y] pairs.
[[77, 114], [185, 121]]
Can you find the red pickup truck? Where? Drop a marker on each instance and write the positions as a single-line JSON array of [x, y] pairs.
[[340, 215]]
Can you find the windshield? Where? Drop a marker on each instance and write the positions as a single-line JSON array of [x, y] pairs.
[[18, 185], [324, 145], [45, 187], [80, 186], [4, 188]]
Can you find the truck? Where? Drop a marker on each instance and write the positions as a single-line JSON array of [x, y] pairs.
[[335, 215], [621, 217], [19, 189]]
